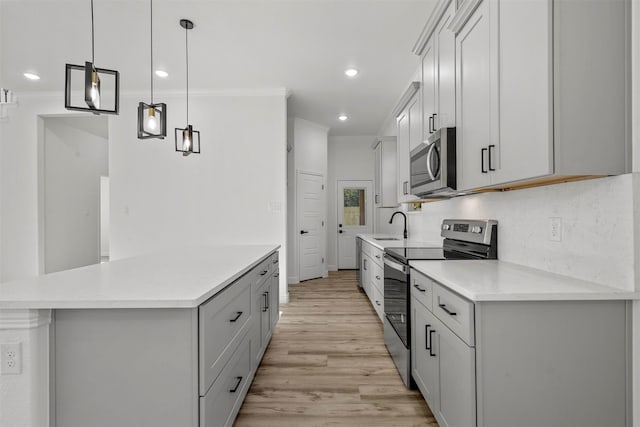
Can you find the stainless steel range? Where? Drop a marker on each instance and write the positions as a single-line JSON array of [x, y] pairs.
[[463, 239]]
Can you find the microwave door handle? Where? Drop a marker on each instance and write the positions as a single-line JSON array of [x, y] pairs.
[[429, 153]]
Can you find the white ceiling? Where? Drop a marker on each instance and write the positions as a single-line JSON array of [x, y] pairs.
[[302, 45]]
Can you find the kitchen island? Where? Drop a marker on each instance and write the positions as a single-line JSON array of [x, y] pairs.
[[168, 339]]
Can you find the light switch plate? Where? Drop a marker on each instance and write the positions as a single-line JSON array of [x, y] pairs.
[[555, 229]]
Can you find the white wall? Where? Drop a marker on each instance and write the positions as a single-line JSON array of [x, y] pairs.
[[74, 161], [105, 221], [308, 154], [350, 158]]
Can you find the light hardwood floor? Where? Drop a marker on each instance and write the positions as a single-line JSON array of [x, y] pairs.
[[327, 365]]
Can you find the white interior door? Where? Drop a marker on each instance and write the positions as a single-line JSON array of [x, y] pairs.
[[355, 216], [310, 196]]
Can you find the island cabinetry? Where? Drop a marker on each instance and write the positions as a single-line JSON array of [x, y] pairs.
[[511, 363], [168, 367]]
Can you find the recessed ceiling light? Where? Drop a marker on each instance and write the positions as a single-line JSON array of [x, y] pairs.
[[351, 72], [162, 73], [31, 76], [343, 117]]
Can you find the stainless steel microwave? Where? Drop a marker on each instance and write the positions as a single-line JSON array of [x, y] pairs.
[[433, 165]]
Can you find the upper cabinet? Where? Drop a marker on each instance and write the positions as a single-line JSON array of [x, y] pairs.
[[540, 94], [438, 70], [385, 172], [409, 122]]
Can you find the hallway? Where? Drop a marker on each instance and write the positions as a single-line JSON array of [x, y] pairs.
[[327, 365]]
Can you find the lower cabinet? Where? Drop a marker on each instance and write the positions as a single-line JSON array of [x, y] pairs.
[[372, 276], [520, 363], [164, 367]]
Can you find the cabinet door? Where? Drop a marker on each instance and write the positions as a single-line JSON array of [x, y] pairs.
[[457, 383], [409, 135], [476, 98], [424, 364], [526, 148], [445, 73], [377, 166], [429, 89], [274, 304]]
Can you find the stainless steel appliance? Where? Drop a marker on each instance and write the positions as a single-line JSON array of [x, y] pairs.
[[433, 165], [463, 239]]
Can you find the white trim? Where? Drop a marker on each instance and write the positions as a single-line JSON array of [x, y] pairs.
[[293, 280], [312, 124], [430, 26], [405, 98], [332, 268], [463, 14], [24, 319], [284, 299], [284, 92]]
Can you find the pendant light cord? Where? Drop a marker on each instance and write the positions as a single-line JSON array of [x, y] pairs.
[[151, 71], [93, 60], [186, 43]]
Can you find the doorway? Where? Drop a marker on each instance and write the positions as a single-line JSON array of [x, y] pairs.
[[73, 163], [310, 221], [355, 216]]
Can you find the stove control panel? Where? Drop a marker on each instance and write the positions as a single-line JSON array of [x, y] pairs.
[[469, 230]]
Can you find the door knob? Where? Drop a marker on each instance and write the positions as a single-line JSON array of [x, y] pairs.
[[303, 232]]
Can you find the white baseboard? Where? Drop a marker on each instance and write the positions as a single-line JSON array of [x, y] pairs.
[[332, 267], [284, 299], [293, 280]]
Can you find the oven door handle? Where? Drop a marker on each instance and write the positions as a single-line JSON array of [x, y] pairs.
[[432, 148], [395, 265]]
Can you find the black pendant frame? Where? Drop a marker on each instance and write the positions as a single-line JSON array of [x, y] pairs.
[[195, 142], [88, 69], [143, 111]]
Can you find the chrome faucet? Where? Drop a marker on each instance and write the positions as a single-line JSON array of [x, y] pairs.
[[405, 222]]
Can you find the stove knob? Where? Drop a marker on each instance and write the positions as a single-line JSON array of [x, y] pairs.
[[476, 229], [445, 226]]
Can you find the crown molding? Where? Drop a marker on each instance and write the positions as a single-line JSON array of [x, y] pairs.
[[430, 26], [463, 14], [405, 98], [284, 92], [24, 319]]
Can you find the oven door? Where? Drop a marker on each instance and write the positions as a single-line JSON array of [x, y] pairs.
[[425, 168], [396, 297]]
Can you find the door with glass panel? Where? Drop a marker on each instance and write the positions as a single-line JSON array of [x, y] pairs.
[[355, 216]]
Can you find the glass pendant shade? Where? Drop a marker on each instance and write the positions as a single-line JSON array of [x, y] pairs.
[[187, 141], [152, 121]]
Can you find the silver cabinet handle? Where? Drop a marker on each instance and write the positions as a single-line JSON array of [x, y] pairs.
[[404, 187]]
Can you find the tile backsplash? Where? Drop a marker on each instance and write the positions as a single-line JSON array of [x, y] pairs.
[[597, 220]]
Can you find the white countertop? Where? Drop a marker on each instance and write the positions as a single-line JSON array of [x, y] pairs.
[[399, 243], [173, 279], [503, 281]]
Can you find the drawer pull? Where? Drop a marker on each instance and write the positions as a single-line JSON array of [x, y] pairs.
[[378, 256], [377, 302], [444, 307], [426, 337], [275, 261], [431, 353], [265, 295], [378, 277], [235, 388], [419, 288], [264, 272], [236, 318]]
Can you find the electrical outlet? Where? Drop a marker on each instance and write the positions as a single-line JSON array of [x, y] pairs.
[[10, 359], [555, 229]]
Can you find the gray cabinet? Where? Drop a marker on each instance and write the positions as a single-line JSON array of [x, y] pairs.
[[526, 85], [385, 168], [164, 366], [520, 363]]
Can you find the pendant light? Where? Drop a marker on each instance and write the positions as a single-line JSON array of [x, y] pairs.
[[152, 118], [97, 85], [187, 139]]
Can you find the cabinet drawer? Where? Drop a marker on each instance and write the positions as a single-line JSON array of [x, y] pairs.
[[377, 255], [262, 272], [377, 300], [220, 405], [422, 288], [455, 312], [377, 277], [222, 321], [367, 248]]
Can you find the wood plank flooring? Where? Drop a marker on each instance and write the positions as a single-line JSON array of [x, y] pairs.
[[327, 365]]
